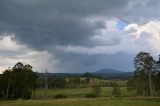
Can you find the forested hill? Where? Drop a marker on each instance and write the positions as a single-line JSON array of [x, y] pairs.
[[107, 70], [122, 75]]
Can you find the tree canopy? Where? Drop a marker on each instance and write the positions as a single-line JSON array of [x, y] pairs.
[[146, 74], [18, 82]]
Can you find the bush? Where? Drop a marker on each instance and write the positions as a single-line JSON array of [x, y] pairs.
[[27, 94], [91, 95], [60, 96], [116, 91], [96, 90]]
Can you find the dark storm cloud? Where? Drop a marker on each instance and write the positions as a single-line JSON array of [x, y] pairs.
[[141, 11], [43, 23]]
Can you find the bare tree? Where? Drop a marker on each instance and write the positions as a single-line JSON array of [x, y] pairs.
[[46, 83]]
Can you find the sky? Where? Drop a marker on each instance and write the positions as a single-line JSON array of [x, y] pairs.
[[77, 35]]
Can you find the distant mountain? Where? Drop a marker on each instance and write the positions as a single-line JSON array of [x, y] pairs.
[[113, 74], [108, 71], [103, 73]]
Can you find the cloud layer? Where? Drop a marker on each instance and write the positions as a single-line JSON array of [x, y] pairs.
[[77, 36]]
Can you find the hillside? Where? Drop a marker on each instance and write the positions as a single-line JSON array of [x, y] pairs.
[[108, 71]]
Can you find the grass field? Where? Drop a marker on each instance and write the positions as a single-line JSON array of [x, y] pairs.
[[76, 97], [84, 102], [80, 92]]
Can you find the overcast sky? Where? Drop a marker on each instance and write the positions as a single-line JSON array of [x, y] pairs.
[[77, 35]]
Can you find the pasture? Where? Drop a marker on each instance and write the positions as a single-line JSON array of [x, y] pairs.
[[80, 92], [102, 101], [76, 97]]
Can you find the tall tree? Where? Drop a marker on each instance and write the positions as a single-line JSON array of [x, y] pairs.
[[157, 76], [145, 63]]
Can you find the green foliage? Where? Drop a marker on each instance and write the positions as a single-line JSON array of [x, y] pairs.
[[96, 90], [91, 95], [108, 84], [27, 94], [60, 96], [144, 69], [116, 91], [17, 82], [74, 82], [131, 85], [146, 77], [144, 62], [139, 83], [55, 82], [157, 82]]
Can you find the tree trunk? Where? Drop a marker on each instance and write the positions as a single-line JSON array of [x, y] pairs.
[[3, 94], [7, 91], [34, 91], [46, 88], [150, 85], [46, 84]]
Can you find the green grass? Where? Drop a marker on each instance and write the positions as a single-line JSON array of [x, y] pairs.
[[76, 97], [80, 92], [119, 82], [84, 102], [70, 92]]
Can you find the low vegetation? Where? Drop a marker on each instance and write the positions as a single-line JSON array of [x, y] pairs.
[[85, 102], [116, 91], [60, 96]]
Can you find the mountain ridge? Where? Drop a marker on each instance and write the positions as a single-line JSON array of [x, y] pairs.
[[108, 70]]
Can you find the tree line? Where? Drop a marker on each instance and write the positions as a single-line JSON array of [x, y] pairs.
[[21, 82], [84, 80], [18, 82]]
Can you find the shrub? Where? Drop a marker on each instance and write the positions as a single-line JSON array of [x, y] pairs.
[[27, 94], [60, 96], [96, 90], [116, 91], [91, 95]]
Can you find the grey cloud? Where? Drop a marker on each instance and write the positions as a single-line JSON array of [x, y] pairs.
[[140, 11], [71, 62], [43, 24]]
